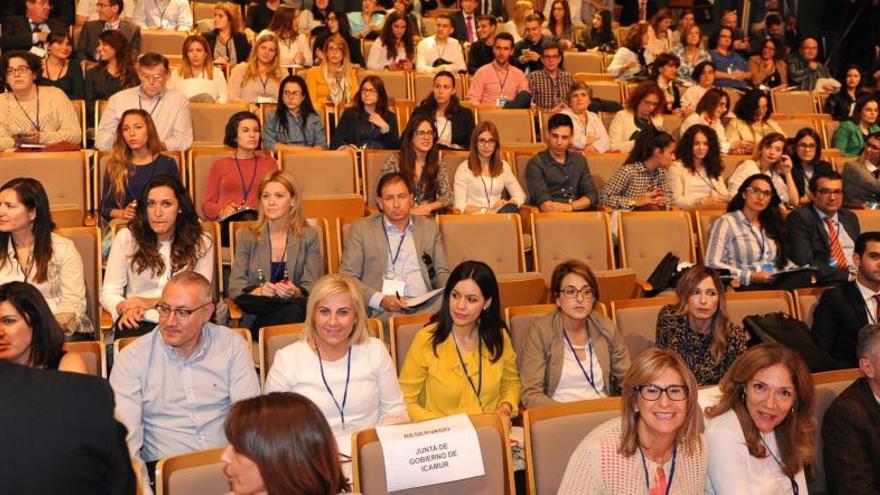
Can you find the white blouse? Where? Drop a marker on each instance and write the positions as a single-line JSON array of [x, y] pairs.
[[594, 127], [717, 126], [692, 96], [622, 127], [378, 56], [471, 190], [199, 84], [121, 281], [689, 188], [289, 48], [573, 385], [374, 396], [748, 168]]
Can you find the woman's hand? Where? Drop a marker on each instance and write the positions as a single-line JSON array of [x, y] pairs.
[[379, 122], [762, 277], [784, 165], [229, 209], [131, 312], [422, 210], [505, 410], [287, 290]]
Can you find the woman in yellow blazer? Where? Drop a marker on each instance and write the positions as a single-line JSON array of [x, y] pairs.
[[334, 80], [464, 361]]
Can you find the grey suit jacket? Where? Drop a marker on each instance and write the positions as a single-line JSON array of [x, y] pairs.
[[859, 186], [304, 264], [365, 253], [88, 38]]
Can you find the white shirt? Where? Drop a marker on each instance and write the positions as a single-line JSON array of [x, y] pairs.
[[121, 281], [428, 50], [573, 385], [174, 15], [374, 396], [170, 112], [623, 126], [732, 470], [688, 188], [378, 59], [594, 127], [623, 56], [692, 96], [510, 27], [86, 8], [215, 87], [748, 168], [695, 118], [470, 190], [289, 48], [870, 302]]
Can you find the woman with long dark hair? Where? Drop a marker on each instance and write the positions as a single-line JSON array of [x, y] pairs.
[[314, 20], [337, 24], [481, 180], [228, 43], [806, 160], [695, 178], [659, 33], [767, 67], [293, 45], [733, 70], [115, 71], [641, 182], [368, 123], [454, 123], [753, 121], [463, 362], [395, 49], [61, 68], [842, 103], [419, 159], [559, 24], [598, 35], [294, 121], [630, 61]]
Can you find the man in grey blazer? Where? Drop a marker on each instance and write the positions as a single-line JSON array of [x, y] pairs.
[[109, 18], [861, 178], [395, 255]]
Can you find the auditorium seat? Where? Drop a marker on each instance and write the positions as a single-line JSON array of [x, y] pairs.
[[454, 158], [320, 172], [162, 41], [828, 386], [791, 126], [758, 302], [729, 164], [519, 320], [396, 82], [518, 289], [792, 102], [620, 283], [514, 125], [423, 84], [576, 62], [869, 220], [402, 330], [496, 240], [603, 166], [88, 244], [829, 127], [806, 301], [705, 219], [637, 321], [193, 473], [373, 160], [64, 175], [209, 121], [645, 237], [607, 90], [80, 107], [92, 351], [558, 237]]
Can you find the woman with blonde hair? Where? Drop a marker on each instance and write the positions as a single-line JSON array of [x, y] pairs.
[[257, 80], [293, 45], [198, 78], [760, 434], [334, 80], [655, 446], [474, 188], [516, 26], [278, 256], [229, 45], [336, 363]]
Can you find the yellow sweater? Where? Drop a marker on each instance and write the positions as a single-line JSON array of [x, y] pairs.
[[435, 385]]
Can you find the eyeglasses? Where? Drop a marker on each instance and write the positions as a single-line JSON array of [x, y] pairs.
[[291, 94], [486, 142], [572, 293], [368, 91], [424, 134], [20, 70], [806, 146], [333, 49], [830, 192], [152, 78], [869, 146], [759, 192], [653, 392], [551, 57], [181, 313]]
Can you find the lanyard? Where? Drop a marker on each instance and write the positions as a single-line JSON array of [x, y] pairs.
[[300, 126], [60, 71], [397, 254], [272, 272], [500, 81], [340, 408], [762, 241], [707, 181], [671, 470], [162, 11], [476, 388], [155, 105], [489, 190], [264, 83], [590, 378], [247, 188], [703, 347], [441, 53], [37, 123], [794, 486]]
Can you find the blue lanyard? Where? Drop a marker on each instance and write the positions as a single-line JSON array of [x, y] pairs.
[[590, 378], [246, 187], [476, 388], [671, 470], [340, 408], [762, 241], [396, 255]]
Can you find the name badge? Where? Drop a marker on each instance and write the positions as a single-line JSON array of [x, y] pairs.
[[265, 99], [392, 287], [501, 101], [39, 52], [766, 266]]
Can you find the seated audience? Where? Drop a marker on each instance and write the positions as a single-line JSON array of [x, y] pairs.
[[760, 433], [861, 180], [752, 123], [841, 103], [741, 42], [172, 15], [464, 22], [88, 10], [281, 244], [34, 116], [805, 70], [411, 13], [313, 20], [175, 385], [30, 29], [419, 159], [731, 70], [516, 26], [281, 443], [686, 20], [495, 8], [657, 432], [441, 51], [115, 71], [230, 188], [454, 122], [631, 60], [337, 23], [227, 42], [663, 72], [334, 80], [815, 232], [560, 25], [641, 183], [108, 18], [418, 264], [696, 177], [60, 69], [468, 320], [807, 161], [659, 33], [704, 77], [368, 123], [710, 112], [30, 334], [558, 179], [163, 238], [527, 51], [500, 84], [550, 85], [484, 163], [769, 159], [563, 344], [258, 79], [598, 35], [691, 53], [294, 121], [260, 14], [774, 29], [168, 108], [293, 46], [480, 52], [589, 131], [844, 309], [355, 382], [698, 327], [767, 68], [395, 49], [642, 111], [198, 78], [366, 23], [850, 448], [850, 136]]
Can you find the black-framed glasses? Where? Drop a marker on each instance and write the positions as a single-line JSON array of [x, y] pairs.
[[571, 292], [759, 192], [20, 70], [486, 142], [181, 313], [292, 94], [653, 392], [423, 133], [830, 192]]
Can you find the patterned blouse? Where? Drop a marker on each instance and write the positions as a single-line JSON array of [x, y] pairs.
[[442, 190], [673, 332]]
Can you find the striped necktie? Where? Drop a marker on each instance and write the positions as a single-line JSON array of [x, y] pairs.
[[834, 244]]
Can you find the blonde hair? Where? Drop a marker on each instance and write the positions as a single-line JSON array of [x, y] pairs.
[[295, 220], [329, 285], [519, 13], [186, 71], [253, 70], [233, 13], [339, 41], [119, 166]]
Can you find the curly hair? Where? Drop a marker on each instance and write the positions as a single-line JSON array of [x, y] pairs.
[[641, 92], [685, 150], [746, 108], [390, 42]]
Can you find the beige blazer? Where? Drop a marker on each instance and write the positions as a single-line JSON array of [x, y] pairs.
[[540, 362]]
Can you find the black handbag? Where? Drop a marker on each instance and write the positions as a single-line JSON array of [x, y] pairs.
[[664, 275], [783, 329]]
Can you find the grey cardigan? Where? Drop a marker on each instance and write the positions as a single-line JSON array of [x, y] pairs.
[[540, 362], [304, 264]]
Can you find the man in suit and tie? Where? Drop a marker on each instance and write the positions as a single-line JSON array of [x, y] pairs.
[[630, 12], [62, 10], [844, 309], [395, 255], [464, 22], [822, 234], [495, 8], [59, 435], [109, 19], [29, 31]]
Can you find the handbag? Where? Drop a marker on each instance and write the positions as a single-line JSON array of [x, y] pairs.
[[782, 329], [664, 275]]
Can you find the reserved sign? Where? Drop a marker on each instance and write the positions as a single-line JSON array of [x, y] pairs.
[[431, 452]]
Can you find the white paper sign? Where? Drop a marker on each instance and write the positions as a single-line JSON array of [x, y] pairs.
[[431, 452]]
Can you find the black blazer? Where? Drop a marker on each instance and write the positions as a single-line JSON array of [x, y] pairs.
[[459, 26], [851, 442], [88, 38], [62, 10], [800, 177], [496, 8], [462, 124], [239, 40], [63, 423], [629, 11], [809, 243], [479, 54], [17, 34], [838, 317], [359, 131]]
